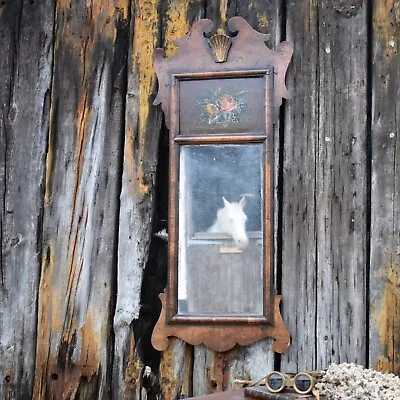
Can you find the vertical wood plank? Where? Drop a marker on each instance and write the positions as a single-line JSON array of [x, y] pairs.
[[213, 372], [324, 237], [176, 370], [81, 201], [341, 188], [26, 31], [299, 274], [384, 315], [143, 123]]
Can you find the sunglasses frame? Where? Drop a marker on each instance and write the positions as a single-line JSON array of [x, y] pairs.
[[289, 381]]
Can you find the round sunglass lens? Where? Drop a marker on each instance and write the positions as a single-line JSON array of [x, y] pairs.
[[275, 381], [303, 383]]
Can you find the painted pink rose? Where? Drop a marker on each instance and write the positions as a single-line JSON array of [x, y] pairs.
[[228, 103]]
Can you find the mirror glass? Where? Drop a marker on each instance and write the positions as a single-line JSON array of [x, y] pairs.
[[220, 256]]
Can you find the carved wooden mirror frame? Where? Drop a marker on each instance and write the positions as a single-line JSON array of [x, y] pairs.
[[243, 59]]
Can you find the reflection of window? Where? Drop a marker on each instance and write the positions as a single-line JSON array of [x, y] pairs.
[[214, 172]]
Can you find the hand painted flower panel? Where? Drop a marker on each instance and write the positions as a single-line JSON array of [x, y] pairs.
[[230, 105]]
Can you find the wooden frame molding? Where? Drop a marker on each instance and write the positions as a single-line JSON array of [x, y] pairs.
[[219, 337], [200, 64]]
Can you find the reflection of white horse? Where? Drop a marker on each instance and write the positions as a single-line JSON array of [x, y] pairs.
[[232, 220]]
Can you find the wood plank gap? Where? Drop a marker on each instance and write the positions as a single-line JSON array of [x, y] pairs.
[[281, 139], [369, 89], [315, 195]]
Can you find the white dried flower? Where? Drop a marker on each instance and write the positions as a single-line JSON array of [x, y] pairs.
[[350, 381]]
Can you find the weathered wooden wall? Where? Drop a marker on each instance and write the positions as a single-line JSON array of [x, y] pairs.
[[83, 162]]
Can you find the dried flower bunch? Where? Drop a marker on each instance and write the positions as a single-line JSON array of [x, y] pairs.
[[350, 381]]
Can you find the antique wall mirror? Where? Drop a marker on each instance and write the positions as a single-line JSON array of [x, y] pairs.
[[220, 95]]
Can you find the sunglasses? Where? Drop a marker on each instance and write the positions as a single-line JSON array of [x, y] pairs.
[[302, 382]]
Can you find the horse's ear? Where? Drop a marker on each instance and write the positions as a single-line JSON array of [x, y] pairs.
[[242, 202], [226, 202]]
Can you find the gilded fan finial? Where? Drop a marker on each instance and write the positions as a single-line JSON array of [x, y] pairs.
[[220, 45]]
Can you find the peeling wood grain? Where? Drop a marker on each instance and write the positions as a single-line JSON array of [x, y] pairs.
[[176, 370], [386, 315], [209, 371], [142, 128], [177, 22], [77, 279], [140, 158], [386, 21], [26, 53], [384, 351], [134, 367]]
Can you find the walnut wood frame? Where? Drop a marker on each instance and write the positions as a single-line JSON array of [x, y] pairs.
[[248, 58]]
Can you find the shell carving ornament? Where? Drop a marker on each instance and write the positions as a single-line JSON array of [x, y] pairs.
[[229, 82], [220, 45]]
